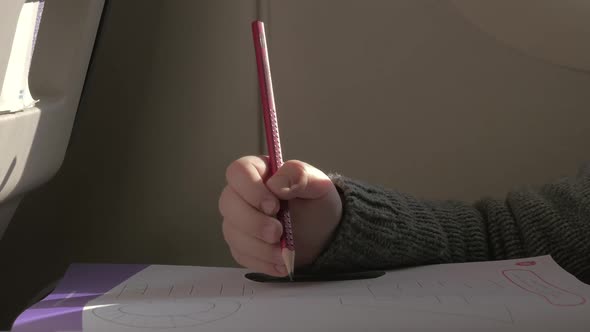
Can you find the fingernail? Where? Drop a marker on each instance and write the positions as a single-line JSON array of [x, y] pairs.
[[281, 269], [270, 234], [278, 258], [268, 206], [281, 182]]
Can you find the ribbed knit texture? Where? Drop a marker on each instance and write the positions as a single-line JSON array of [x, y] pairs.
[[384, 229]]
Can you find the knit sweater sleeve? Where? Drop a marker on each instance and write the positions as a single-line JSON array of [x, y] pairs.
[[383, 229]]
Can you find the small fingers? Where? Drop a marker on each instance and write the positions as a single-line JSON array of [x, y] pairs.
[[248, 220], [297, 179], [242, 242], [246, 177], [258, 265]]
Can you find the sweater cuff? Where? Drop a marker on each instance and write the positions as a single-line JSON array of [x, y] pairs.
[[367, 236], [385, 229]]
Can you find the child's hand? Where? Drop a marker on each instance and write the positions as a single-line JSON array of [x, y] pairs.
[[249, 207]]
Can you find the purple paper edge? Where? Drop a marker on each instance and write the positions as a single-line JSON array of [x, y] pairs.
[[81, 284]]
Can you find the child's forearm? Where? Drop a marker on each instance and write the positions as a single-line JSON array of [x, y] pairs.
[[381, 228]]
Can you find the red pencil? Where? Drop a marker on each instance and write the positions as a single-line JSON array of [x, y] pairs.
[[273, 141]]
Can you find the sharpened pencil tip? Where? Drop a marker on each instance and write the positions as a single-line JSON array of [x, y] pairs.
[[289, 259]]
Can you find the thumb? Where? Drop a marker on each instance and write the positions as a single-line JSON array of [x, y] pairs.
[[296, 179]]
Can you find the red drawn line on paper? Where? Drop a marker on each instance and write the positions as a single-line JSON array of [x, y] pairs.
[[527, 263], [576, 299]]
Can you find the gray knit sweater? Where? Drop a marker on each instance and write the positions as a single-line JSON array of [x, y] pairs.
[[384, 229]]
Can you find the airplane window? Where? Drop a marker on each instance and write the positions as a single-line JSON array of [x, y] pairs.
[[15, 95]]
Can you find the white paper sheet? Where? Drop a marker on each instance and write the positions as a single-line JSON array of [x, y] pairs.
[[514, 295]]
